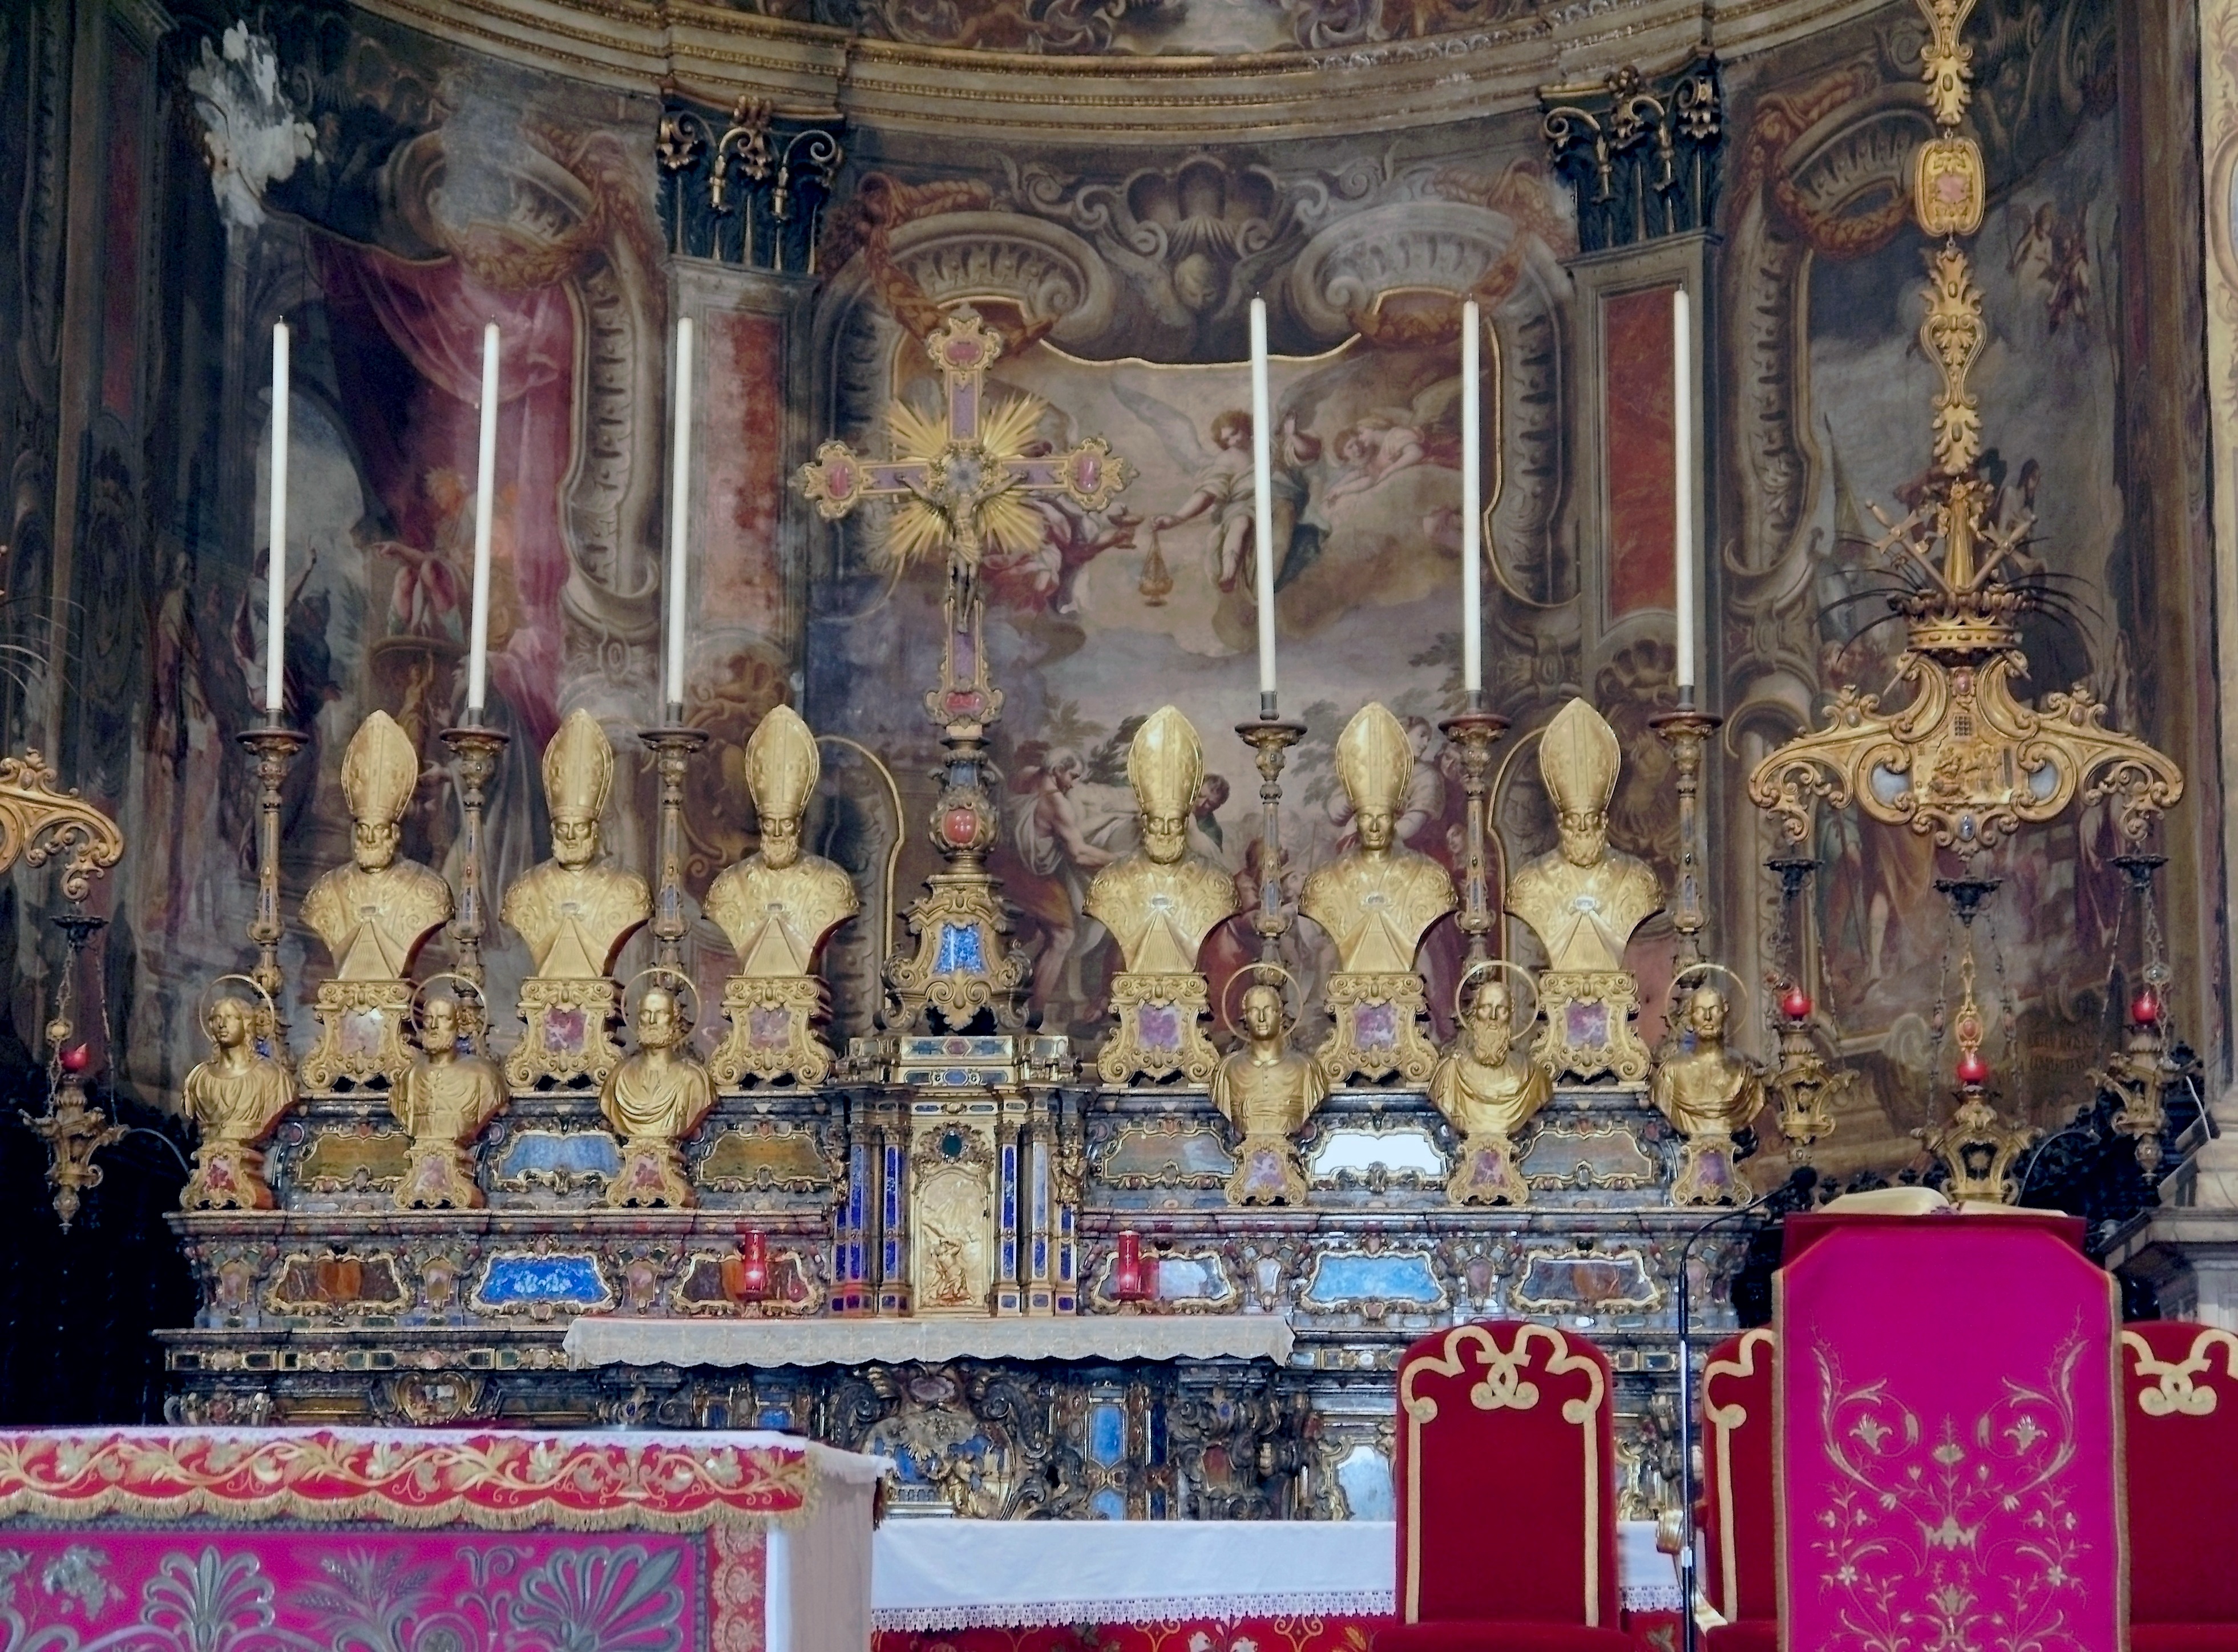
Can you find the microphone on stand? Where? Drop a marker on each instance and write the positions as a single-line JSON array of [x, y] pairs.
[[1801, 1179]]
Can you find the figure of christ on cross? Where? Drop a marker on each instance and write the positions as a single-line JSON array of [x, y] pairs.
[[962, 483]]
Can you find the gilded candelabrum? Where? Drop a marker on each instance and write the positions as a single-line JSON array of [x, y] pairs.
[[672, 744], [964, 483], [1159, 903], [1376, 902], [1583, 900], [778, 906], [576, 911], [275, 746], [1473, 732], [476, 750], [1488, 1088], [1270, 735], [374, 915], [1687, 732]]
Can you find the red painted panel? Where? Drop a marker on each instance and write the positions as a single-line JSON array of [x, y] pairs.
[[1640, 453]]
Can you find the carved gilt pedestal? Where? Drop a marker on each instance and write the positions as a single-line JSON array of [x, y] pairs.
[[360, 1035], [773, 1033], [1588, 1028], [1161, 1031], [650, 1178], [1378, 1033], [1484, 1172], [570, 1039], [440, 1178], [227, 1176]]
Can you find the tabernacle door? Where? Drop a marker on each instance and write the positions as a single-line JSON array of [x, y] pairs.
[[1948, 1449]]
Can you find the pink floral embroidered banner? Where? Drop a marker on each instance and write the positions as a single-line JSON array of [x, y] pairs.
[[1949, 1463]]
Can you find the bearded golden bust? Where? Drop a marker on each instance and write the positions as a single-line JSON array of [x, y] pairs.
[[1162, 901], [1583, 900], [377, 912], [778, 906], [1484, 1084], [576, 911]]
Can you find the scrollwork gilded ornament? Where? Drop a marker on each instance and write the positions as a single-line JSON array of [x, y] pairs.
[[39, 822], [1946, 62]]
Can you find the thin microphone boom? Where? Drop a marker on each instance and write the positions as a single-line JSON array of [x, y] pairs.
[[1801, 1179]]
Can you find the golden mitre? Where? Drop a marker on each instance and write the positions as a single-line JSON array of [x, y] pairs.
[[782, 764], [1578, 757], [1374, 760], [578, 768], [380, 769], [1165, 764]]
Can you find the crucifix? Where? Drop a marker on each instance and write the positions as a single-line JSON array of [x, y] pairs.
[[961, 484]]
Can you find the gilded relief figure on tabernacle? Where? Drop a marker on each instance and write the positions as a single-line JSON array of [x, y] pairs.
[[374, 915], [1488, 1089], [447, 1100], [1267, 1092], [778, 906], [576, 911], [1376, 902], [654, 1100], [236, 1098], [1583, 900], [1159, 903], [1710, 1092]]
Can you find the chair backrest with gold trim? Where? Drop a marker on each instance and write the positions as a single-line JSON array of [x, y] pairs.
[[1506, 1478], [1740, 1533], [2180, 1416]]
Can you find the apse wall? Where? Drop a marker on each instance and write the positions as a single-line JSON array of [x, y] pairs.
[[1113, 185]]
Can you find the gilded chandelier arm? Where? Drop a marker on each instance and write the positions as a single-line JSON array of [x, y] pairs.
[[39, 822]]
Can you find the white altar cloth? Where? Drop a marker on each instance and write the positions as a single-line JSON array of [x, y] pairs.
[[936, 1574], [765, 1342]]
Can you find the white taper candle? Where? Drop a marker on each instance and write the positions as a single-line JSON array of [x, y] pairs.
[[276, 565], [680, 499], [485, 512], [1471, 505], [1682, 446], [1262, 494]]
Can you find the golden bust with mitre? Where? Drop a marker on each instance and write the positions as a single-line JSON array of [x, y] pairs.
[[576, 910]]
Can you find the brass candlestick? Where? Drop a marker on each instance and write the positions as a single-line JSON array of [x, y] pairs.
[[672, 745], [1270, 735], [477, 751], [1475, 730], [1686, 731], [275, 746]]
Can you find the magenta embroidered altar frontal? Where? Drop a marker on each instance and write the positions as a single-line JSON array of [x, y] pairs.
[[291, 1540], [1948, 1454]]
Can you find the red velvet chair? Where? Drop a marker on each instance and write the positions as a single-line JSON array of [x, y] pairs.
[[1505, 1475], [2180, 1412], [1740, 1537]]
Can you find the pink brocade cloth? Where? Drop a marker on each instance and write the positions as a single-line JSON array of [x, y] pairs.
[[1949, 1459]]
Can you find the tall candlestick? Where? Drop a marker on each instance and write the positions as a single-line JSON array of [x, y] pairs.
[[1682, 445], [1262, 497], [680, 495], [275, 577], [1472, 508], [484, 504]]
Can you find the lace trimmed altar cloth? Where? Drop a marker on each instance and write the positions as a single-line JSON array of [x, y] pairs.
[[1949, 1459], [289, 1540]]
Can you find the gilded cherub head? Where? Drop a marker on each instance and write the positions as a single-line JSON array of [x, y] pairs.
[[1578, 758], [1165, 764], [782, 769], [380, 769], [578, 773]]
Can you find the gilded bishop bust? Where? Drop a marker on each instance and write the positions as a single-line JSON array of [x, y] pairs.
[[1159, 903], [1375, 903], [576, 910], [377, 912], [1584, 898], [778, 906]]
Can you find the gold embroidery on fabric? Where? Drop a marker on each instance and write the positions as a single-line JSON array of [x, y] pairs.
[[2177, 1394]]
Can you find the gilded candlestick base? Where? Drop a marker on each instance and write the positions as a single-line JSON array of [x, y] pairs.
[[1484, 1172], [441, 1177], [1706, 1175], [650, 1178], [672, 745], [361, 1035], [1474, 734], [1687, 732], [1267, 1172], [275, 747], [774, 1032], [1161, 1031], [476, 752], [1270, 737], [1979, 1147], [1378, 1033], [1588, 1030], [570, 1039]]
